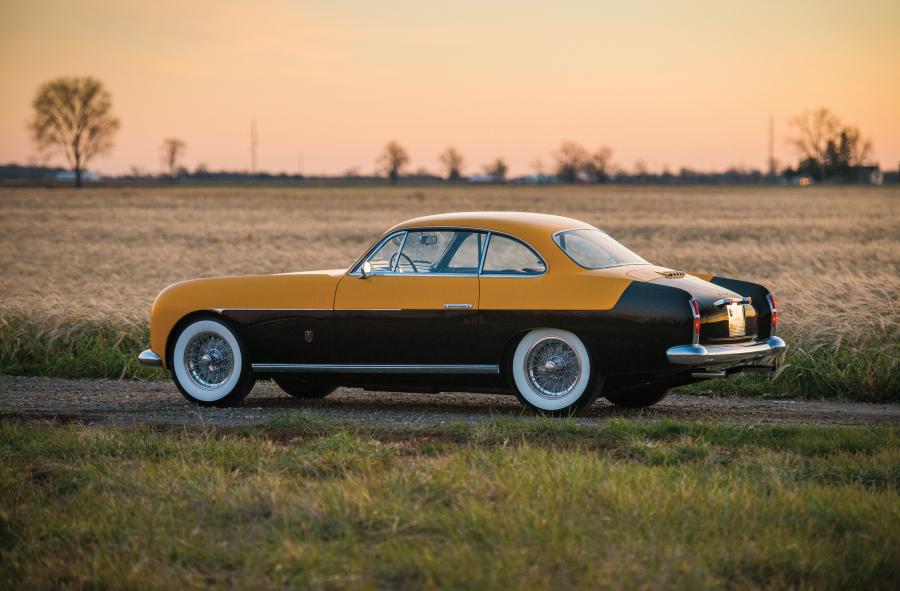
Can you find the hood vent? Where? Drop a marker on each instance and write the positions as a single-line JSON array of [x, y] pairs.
[[673, 274]]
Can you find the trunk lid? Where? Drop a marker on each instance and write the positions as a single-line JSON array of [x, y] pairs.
[[718, 324]]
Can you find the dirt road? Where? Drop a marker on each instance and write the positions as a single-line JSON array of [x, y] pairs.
[[128, 402]]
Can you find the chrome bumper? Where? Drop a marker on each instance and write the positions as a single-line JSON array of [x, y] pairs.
[[150, 359], [701, 355]]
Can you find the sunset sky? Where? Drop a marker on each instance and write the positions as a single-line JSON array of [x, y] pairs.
[[330, 82]]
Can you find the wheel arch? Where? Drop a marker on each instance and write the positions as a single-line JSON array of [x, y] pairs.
[[190, 317]]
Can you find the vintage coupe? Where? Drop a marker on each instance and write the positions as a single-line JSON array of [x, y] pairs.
[[546, 307]]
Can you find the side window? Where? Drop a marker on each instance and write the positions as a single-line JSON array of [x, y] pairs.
[[440, 251], [467, 253], [511, 257], [386, 255], [422, 249]]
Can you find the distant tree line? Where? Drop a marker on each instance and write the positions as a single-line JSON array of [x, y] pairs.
[[828, 149], [73, 118]]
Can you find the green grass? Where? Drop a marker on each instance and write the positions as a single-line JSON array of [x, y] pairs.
[[866, 369], [72, 347], [535, 504]]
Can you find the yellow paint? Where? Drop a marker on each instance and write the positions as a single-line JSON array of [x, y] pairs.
[[406, 292], [292, 290], [587, 290]]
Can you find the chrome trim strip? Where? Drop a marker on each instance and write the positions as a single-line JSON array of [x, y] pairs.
[[725, 301], [487, 243], [150, 359], [457, 306], [700, 355], [400, 252], [376, 368], [220, 310]]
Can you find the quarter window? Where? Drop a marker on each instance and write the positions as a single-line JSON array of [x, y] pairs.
[[506, 256]]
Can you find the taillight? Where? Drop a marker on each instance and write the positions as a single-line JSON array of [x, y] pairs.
[[695, 310], [771, 299]]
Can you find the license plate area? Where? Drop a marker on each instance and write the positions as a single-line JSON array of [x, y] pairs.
[[736, 324]]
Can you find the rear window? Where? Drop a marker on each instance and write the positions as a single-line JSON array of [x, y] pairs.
[[593, 249]]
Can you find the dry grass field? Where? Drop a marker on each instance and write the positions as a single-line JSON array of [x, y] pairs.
[[71, 261]]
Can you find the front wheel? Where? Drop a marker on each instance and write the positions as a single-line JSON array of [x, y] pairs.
[[551, 372], [209, 366]]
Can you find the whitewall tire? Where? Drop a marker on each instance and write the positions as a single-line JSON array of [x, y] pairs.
[[209, 365], [552, 373]]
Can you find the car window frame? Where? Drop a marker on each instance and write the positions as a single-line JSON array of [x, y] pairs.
[[534, 251], [571, 258], [355, 268]]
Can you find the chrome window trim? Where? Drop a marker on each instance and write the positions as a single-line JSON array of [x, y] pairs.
[[400, 252], [559, 246], [534, 251], [354, 269], [391, 368], [487, 241]]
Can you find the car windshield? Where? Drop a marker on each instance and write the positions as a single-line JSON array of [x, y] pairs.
[[594, 249]]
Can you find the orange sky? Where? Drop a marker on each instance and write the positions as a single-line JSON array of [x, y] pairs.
[[671, 83]]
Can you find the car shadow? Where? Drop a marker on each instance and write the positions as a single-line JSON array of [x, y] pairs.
[[451, 405]]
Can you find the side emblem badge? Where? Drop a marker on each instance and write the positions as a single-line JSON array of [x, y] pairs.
[[308, 335]]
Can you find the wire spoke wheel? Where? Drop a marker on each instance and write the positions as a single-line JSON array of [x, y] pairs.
[[552, 367], [209, 360]]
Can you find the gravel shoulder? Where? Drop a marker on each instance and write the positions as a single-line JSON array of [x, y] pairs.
[[157, 401]]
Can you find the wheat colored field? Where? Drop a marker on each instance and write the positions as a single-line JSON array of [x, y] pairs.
[[831, 254]]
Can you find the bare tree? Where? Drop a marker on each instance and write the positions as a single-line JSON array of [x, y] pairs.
[[73, 117], [858, 149], [452, 161], [497, 169], [537, 165], [813, 131], [571, 158], [171, 150], [600, 163], [392, 160]]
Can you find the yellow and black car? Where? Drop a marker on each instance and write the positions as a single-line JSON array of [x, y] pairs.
[[546, 307]]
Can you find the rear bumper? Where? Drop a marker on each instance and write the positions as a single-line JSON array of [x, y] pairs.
[[150, 359], [702, 356]]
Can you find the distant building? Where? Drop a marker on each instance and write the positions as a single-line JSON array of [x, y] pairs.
[[868, 175], [68, 175]]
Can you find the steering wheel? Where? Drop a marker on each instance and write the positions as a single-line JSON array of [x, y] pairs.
[[408, 260]]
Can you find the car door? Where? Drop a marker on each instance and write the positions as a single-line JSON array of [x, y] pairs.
[[417, 306], [514, 291]]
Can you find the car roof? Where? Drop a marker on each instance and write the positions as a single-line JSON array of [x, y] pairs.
[[524, 225]]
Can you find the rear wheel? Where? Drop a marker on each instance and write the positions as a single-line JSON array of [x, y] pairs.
[[551, 372], [303, 388], [637, 398], [209, 365]]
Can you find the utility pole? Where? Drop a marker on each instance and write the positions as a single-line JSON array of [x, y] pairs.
[[771, 147], [253, 146]]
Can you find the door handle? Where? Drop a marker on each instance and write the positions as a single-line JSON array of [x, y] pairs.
[[457, 306]]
